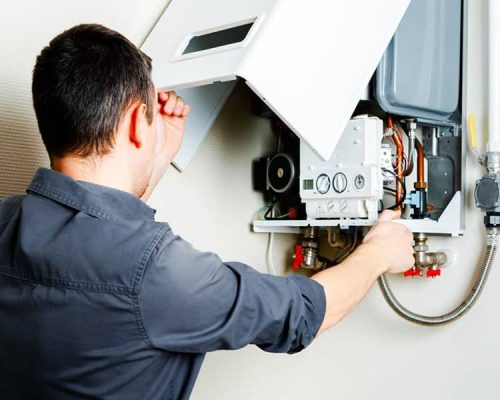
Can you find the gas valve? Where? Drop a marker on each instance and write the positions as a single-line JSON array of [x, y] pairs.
[[432, 261], [306, 255], [424, 259], [298, 257]]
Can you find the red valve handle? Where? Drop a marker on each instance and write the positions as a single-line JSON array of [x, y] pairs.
[[433, 273], [299, 257], [415, 271]]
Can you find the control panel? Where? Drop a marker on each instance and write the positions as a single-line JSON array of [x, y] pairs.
[[349, 184]]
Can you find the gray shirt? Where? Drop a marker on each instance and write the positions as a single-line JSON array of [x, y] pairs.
[[99, 301]]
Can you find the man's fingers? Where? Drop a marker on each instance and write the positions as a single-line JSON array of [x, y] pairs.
[[389, 215], [179, 107], [169, 106], [172, 105], [163, 96]]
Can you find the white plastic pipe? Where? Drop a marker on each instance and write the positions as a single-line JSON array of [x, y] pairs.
[[494, 75]]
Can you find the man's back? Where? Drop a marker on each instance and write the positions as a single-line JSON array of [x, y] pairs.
[[97, 300], [68, 299]]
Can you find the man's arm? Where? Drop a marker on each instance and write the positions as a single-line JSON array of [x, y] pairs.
[[191, 301], [386, 248]]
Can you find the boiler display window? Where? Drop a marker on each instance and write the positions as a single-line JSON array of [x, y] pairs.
[[308, 184]]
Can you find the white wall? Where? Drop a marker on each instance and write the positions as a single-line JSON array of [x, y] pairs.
[[25, 27], [372, 354]]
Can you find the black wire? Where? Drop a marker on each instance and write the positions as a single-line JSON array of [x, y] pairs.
[[403, 186], [269, 210], [277, 128], [267, 216], [390, 191]]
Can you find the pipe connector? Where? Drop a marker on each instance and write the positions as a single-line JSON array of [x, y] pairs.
[[492, 162], [307, 255], [412, 129], [424, 258]]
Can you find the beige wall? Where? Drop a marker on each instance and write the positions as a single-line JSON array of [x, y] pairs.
[[372, 354]]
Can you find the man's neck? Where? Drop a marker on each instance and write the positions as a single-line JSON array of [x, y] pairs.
[[102, 171]]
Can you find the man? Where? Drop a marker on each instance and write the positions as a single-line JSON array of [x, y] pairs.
[[97, 300]]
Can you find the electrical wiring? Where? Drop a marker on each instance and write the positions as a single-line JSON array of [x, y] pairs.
[[269, 256], [263, 213], [404, 161], [284, 215], [398, 141], [408, 169], [259, 215], [269, 211], [270, 214], [403, 188]]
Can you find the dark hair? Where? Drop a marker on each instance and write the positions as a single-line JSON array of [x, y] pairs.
[[82, 83]]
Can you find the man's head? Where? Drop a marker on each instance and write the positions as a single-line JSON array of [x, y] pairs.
[[94, 100]]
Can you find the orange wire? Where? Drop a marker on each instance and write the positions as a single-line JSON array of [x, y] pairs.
[[398, 141]]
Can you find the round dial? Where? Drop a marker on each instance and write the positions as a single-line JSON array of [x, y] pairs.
[[339, 182], [359, 182], [323, 183]]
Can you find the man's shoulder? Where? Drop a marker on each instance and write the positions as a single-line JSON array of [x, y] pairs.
[[12, 200], [9, 205], [54, 242]]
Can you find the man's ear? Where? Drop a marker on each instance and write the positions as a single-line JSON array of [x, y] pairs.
[[137, 119]]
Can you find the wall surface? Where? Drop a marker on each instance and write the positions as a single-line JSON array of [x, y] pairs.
[[372, 354]]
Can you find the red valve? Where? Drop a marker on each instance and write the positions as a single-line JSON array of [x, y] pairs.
[[415, 271], [292, 213], [433, 273], [299, 257]]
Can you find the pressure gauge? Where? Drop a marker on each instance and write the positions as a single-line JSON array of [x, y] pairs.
[[359, 182], [339, 182], [323, 183]]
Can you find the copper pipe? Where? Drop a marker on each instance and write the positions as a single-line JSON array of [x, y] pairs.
[[420, 183], [398, 141]]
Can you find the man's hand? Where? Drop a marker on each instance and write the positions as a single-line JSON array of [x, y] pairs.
[[390, 244], [169, 120], [386, 248]]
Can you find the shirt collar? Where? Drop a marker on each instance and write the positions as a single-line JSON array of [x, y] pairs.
[[99, 201]]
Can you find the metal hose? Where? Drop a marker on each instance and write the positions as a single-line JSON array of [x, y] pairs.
[[466, 305]]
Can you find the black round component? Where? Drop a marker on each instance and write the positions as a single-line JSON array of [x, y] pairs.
[[281, 173], [487, 193]]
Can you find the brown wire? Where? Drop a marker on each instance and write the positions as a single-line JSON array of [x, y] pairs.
[[398, 141]]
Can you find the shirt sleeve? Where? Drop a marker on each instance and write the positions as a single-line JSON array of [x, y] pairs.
[[190, 301]]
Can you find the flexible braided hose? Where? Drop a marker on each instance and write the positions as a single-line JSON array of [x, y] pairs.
[[466, 305]]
